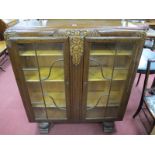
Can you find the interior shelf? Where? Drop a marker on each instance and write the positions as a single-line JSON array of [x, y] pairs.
[[49, 113], [50, 98], [95, 74], [57, 74], [32, 75], [111, 112], [99, 52], [102, 98], [42, 53], [48, 105]]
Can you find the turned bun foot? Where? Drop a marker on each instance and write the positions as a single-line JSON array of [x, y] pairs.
[[44, 127], [108, 127]]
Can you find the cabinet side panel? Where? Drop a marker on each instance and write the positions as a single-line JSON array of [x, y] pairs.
[[133, 71]]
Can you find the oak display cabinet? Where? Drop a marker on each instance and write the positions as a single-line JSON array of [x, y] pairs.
[[74, 70]]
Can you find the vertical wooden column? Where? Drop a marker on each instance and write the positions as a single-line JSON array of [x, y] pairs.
[[76, 90], [76, 67]]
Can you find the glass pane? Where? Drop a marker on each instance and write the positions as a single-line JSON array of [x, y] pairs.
[[43, 68], [35, 94], [43, 49], [40, 113], [109, 63]]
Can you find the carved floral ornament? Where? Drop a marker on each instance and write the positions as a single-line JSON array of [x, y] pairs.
[[76, 44], [76, 49]]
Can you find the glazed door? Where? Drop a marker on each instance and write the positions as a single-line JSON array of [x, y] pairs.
[[108, 68], [44, 68]]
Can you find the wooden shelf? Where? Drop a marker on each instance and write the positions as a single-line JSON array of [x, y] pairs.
[[110, 52], [102, 113], [59, 98], [42, 53], [57, 74], [48, 105], [52, 113], [32, 75], [118, 74], [93, 97]]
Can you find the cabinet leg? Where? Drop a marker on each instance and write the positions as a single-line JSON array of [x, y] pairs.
[[108, 127], [44, 127]]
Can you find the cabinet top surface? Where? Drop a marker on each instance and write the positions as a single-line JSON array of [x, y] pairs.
[[71, 24]]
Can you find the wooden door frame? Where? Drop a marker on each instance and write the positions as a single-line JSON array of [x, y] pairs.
[[136, 56], [19, 75]]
